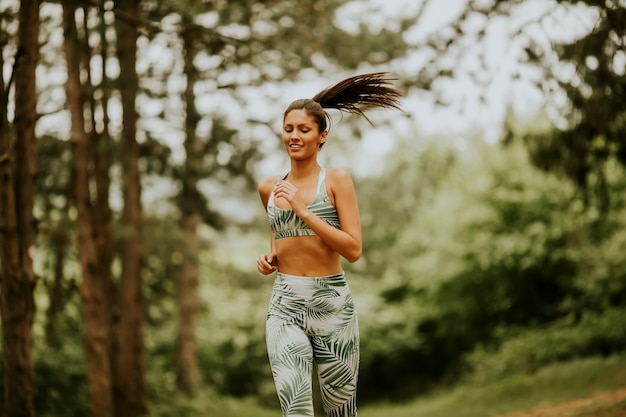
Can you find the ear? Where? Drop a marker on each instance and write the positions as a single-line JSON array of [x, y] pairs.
[[323, 136]]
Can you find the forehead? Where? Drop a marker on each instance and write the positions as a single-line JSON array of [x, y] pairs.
[[298, 117]]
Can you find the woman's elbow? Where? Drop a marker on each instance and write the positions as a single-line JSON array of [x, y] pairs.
[[354, 254]]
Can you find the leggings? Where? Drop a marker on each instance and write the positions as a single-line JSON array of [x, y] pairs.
[[313, 319]]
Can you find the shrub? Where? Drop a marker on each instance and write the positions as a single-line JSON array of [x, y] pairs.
[[594, 334]]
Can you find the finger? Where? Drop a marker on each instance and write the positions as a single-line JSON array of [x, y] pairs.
[[278, 192], [284, 188]]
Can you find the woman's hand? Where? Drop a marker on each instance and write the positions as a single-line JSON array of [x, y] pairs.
[[290, 192], [266, 263]]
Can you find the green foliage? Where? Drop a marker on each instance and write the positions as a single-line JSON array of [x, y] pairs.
[[61, 380], [495, 245], [580, 72], [230, 333], [561, 382], [517, 267], [601, 279], [412, 180], [564, 340], [557, 383], [597, 96], [236, 365], [388, 339], [167, 401]]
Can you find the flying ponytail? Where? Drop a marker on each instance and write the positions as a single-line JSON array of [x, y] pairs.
[[359, 93], [353, 95]]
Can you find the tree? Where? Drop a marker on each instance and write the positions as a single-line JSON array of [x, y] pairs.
[[130, 387], [92, 225], [582, 61], [188, 303], [17, 222], [594, 132]]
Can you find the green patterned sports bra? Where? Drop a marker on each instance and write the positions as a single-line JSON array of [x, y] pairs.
[[285, 223]]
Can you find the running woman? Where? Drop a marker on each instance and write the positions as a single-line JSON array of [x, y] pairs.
[[314, 220]]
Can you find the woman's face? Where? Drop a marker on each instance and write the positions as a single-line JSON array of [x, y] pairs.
[[301, 135]]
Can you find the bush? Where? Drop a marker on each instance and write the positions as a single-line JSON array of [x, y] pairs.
[[594, 334], [237, 365], [60, 375]]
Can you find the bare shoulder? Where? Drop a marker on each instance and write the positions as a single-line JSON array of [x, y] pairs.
[[265, 187], [268, 183], [339, 185], [338, 177]]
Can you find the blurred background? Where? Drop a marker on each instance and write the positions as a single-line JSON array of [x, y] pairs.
[[134, 133]]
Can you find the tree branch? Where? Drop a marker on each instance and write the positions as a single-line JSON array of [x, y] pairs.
[[152, 27]]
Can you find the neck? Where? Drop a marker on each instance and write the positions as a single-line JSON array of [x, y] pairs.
[[302, 169]]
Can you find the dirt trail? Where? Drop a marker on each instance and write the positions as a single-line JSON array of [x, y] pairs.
[[604, 404]]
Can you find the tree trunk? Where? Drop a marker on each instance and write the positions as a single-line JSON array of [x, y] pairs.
[[188, 376], [187, 365], [100, 139], [130, 390], [17, 191], [102, 165], [103, 224], [94, 289], [56, 292]]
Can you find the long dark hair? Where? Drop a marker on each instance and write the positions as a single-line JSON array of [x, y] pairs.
[[352, 95]]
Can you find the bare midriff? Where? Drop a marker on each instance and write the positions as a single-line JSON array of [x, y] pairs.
[[306, 256]]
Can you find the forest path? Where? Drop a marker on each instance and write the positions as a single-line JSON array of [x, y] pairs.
[[603, 404]]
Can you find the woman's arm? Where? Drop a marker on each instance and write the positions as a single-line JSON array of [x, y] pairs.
[[345, 241], [267, 262]]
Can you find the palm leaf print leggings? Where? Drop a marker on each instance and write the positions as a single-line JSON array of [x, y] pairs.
[[313, 319]]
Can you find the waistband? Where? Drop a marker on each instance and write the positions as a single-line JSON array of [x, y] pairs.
[[308, 287], [329, 278]]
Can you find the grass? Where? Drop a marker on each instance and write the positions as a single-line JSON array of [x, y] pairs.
[[206, 403], [552, 386]]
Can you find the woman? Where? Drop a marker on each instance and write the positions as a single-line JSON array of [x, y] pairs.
[[314, 218]]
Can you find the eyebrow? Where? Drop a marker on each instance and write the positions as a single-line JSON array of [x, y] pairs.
[[299, 125]]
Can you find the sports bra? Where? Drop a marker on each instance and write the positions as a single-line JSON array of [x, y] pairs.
[[285, 223]]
